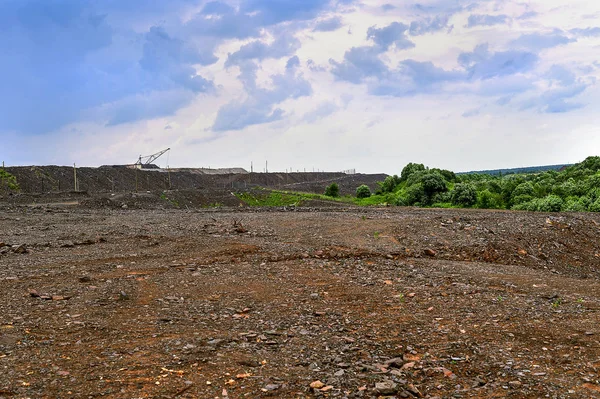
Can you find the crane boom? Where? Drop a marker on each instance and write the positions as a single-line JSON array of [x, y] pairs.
[[147, 160]]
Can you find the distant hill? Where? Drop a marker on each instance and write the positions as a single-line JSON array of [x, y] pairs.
[[529, 169]]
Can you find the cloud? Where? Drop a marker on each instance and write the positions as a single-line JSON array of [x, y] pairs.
[[540, 41], [487, 20], [282, 46], [429, 25], [412, 78], [358, 64], [328, 25], [482, 64], [586, 32], [557, 100], [219, 19], [560, 74], [388, 7], [471, 113], [393, 34], [528, 15], [322, 111], [260, 105]]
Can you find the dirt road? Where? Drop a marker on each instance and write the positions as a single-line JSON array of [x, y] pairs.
[[345, 303]]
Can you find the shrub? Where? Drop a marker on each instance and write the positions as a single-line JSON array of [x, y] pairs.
[[551, 203], [9, 180], [410, 169], [487, 200], [433, 183], [595, 206], [574, 204], [389, 184], [531, 206], [464, 194], [333, 190], [415, 195], [363, 191]]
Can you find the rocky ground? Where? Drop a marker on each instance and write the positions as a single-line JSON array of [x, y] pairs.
[[341, 303]]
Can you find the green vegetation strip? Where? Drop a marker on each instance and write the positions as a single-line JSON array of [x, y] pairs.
[[574, 189], [8, 181]]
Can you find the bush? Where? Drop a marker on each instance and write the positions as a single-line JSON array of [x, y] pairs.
[[9, 180], [551, 203], [574, 204], [433, 183], [489, 200], [415, 195], [389, 184], [363, 191], [464, 194], [595, 206], [531, 206], [333, 190], [410, 169]]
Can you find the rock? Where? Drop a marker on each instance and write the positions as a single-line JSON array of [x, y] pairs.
[[317, 384], [271, 387], [2, 244], [85, 279], [19, 249], [386, 388], [67, 244], [414, 390], [339, 373], [396, 362], [429, 252], [314, 295], [515, 384]]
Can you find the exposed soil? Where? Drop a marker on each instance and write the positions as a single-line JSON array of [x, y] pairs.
[[53, 179], [345, 303]]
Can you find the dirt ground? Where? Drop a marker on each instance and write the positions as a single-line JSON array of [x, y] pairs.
[[342, 303]]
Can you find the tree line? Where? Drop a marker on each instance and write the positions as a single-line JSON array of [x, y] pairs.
[[574, 189]]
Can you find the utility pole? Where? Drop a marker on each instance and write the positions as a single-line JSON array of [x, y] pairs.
[[169, 174], [266, 166], [251, 167], [75, 177]]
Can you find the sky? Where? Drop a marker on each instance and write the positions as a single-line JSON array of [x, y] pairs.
[[303, 84]]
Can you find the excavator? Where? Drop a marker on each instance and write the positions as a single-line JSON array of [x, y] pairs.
[[144, 162]]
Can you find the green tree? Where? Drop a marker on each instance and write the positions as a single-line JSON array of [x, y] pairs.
[[464, 194], [433, 183], [389, 184], [363, 191], [551, 203], [415, 195], [410, 169], [333, 190]]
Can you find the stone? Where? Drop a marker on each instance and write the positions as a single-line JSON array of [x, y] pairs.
[[386, 388], [515, 384], [396, 362], [317, 384], [19, 249], [429, 252]]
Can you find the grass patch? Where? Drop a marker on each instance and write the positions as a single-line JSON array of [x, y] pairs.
[[277, 198], [8, 180]]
